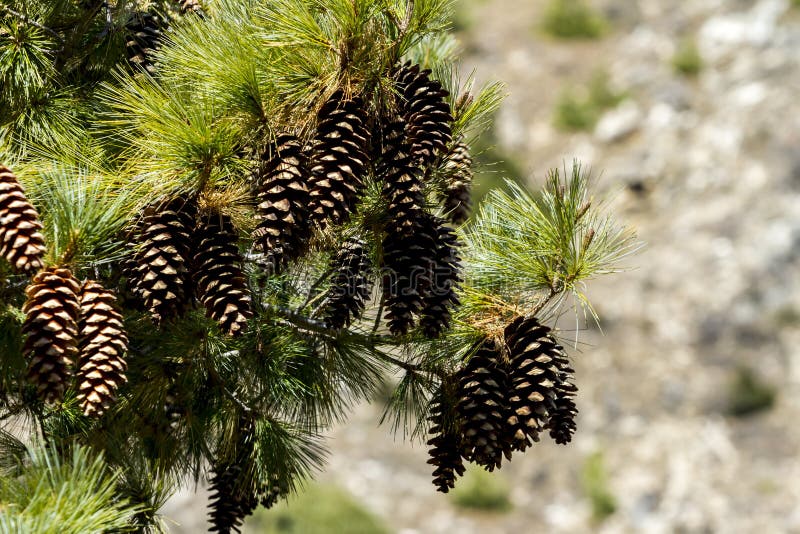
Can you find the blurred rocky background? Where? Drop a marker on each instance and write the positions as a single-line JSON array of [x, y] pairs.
[[688, 113]]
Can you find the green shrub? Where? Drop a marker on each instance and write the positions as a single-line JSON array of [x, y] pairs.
[[687, 60], [579, 110], [479, 490], [574, 112], [749, 394], [321, 509], [572, 19], [595, 485], [601, 95]]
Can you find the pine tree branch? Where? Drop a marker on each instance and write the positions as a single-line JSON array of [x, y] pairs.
[[320, 327], [321, 280], [219, 382], [5, 9], [540, 306], [379, 314]]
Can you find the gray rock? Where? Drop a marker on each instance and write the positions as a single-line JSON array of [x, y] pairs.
[[618, 123]]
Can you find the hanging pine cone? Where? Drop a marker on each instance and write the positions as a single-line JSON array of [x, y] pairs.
[[102, 346], [144, 38], [441, 297], [402, 185], [283, 198], [338, 161], [350, 285], [221, 284], [446, 444], [562, 416], [21, 240], [51, 331], [456, 196], [426, 111], [409, 244], [408, 257], [231, 501], [534, 375], [483, 386], [226, 504], [273, 493], [160, 274]]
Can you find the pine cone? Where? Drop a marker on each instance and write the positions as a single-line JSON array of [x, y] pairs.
[[227, 510], [273, 493], [231, 501], [221, 284], [144, 38], [456, 197], [283, 199], [409, 244], [442, 295], [102, 345], [534, 374], [51, 331], [402, 185], [21, 240], [562, 416], [426, 111], [408, 256], [446, 444], [338, 161], [483, 387], [350, 285], [160, 276], [190, 6]]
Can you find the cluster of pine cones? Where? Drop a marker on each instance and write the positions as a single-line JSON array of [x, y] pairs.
[[302, 186], [500, 401], [180, 253], [71, 329]]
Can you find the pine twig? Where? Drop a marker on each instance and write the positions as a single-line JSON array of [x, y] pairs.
[[218, 381], [5, 9], [540, 306], [321, 280], [379, 315]]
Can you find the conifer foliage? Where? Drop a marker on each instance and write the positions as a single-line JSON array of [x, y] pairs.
[[242, 174]]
